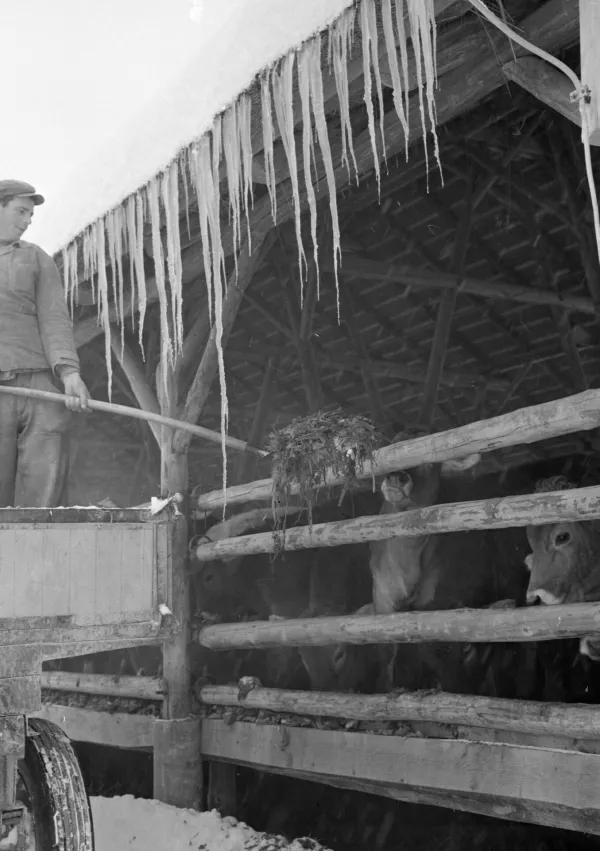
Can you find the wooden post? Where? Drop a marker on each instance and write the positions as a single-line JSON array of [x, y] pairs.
[[177, 755], [589, 39]]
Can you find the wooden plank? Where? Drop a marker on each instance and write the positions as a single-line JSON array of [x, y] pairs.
[[29, 573], [116, 730], [549, 815], [20, 695], [538, 623], [589, 39], [498, 513], [82, 549], [19, 660], [12, 735], [7, 573], [519, 716], [178, 762], [132, 565], [74, 514], [56, 571], [527, 425], [546, 776], [144, 688], [546, 83], [108, 571]]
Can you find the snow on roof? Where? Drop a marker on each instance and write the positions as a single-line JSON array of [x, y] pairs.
[[256, 34], [135, 824]]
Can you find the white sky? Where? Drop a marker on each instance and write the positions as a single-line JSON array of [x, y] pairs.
[[102, 94], [78, 68]]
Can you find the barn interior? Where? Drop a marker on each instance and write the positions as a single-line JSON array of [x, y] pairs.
[[467, 290]]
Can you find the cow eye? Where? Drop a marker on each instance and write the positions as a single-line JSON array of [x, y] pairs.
[[562, 539]]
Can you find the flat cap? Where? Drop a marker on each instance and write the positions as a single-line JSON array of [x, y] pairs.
[[10, 188]]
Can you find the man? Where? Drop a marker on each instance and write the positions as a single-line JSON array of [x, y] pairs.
[[36, 348]]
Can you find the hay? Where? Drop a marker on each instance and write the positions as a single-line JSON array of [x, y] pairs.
[[306, 449]]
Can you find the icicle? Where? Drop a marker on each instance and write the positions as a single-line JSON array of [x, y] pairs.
[[400, 15], [170, 198], [118, 221], [422, 20], [304, 72], [219, 271], [284, 109], [339, 40], [390, 44], [367, 35], [185, 164], [231, 149], [131, 249], [95, 270], [109, 226], [268, 133], [100, 262], [201, 171], [372, 18], [159, 271], [245, 142], [139, 265], [316, 90]]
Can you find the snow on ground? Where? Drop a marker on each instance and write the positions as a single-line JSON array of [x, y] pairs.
[[135, 824]]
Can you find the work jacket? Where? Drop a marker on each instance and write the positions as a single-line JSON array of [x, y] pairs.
[[36, 331]]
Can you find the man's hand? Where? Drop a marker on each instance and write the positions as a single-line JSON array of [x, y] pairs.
[[76, 392]]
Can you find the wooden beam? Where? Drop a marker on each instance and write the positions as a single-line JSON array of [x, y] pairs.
[[546, 83], [538, 623], [247, 463], [374, 270], [544, 776], [140, 688], [576, 721], [527, 425], [177, 744], [495, 806], [134, 372], [445, 315], [207, 369], [115, 730], [589, 39]]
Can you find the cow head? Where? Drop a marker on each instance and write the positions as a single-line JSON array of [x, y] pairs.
[[420, 487], [564, 564]]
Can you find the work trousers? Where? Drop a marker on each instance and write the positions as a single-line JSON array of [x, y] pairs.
[[34, 451]]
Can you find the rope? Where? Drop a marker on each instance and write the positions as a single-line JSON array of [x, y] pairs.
[[581, 94], [138, 414]]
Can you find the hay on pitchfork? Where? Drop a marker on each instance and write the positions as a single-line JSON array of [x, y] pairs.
[[304, 451]]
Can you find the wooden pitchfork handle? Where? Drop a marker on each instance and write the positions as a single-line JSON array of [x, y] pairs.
[[138, 414]]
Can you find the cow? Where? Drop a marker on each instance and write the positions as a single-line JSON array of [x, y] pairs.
[[444, 571], [564, 563]]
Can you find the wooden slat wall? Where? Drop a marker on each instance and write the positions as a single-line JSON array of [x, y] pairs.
[[77, 569]]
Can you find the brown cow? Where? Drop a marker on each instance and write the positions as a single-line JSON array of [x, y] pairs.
[[444, 571], [564, 562]]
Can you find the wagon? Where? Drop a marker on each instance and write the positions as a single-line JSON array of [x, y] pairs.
[[72, 581]]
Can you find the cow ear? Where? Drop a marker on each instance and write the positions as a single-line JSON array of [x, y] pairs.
[[460, 465]]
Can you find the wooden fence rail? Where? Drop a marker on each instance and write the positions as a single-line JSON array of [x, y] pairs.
[[530, 509], [538, 623], [578, 721], [527, 425], [138, 688]]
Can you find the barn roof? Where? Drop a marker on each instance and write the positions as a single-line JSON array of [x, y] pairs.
[[504, 245]]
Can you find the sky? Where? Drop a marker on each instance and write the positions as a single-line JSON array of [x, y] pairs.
[[78, 68]]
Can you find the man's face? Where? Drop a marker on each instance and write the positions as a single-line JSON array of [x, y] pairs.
[[15, 218]]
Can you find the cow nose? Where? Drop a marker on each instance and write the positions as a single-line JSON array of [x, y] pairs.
[[533, 599]]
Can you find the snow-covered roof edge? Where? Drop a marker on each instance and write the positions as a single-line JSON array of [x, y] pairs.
[[228, 139]]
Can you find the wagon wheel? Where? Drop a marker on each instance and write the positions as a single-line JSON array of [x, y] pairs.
[[50, 787]]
